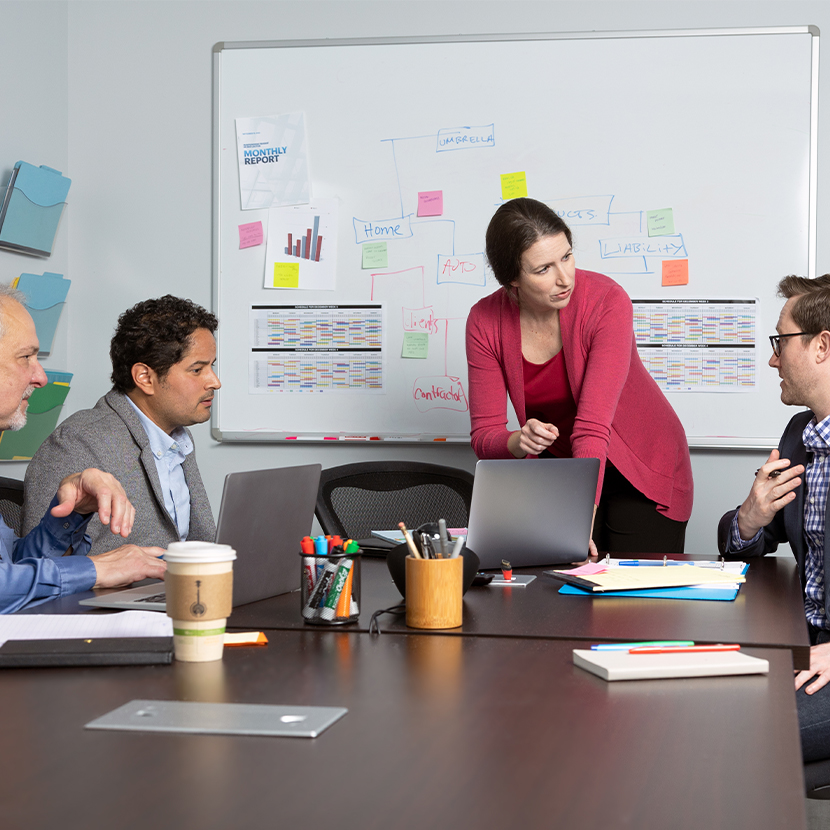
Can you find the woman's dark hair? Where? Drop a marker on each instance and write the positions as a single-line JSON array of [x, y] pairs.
[[155, 332], [515, 226]]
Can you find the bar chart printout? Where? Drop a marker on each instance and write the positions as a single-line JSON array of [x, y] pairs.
[[301, 348], [307, 246], [694, 345]]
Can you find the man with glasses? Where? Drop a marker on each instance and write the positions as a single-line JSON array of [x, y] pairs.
[[788, 501]]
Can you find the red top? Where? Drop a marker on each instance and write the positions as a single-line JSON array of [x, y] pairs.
[[548, 398], [621, 412]]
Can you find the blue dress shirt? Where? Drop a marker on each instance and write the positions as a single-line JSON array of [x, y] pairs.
[[34, 569], [816, 438], [169, 452]]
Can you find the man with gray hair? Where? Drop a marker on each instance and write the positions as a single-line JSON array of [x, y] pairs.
[[788, 501], [36, 567]]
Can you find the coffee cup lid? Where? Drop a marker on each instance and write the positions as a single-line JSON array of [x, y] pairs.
[[192, 551]]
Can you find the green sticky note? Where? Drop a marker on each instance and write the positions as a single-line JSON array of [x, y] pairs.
[[286, 275], [415, 345], [375, 255], [513, 185], [660, 222]]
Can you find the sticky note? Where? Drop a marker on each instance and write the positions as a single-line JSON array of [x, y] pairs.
[[431, 203], [660, 222], [286, 275], [513, 185], [250, 234], [375, 255], [675, 272], [415, 345]]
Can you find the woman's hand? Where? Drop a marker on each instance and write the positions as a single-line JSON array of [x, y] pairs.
[[532, 438]]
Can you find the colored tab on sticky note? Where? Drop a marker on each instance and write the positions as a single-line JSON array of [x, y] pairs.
[[431, 203], [375, 255], [513, 185], [675, 272], [415, 345], [250, 234], [286, 275], [660, 222]]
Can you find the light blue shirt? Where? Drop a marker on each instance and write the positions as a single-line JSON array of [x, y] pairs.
[[169, 453], [34, 569]]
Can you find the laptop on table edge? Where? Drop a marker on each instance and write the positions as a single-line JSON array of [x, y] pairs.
[[263, 517]]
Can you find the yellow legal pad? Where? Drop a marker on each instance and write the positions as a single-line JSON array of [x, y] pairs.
[[654, 576]]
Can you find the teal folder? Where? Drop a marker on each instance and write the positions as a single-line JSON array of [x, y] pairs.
[[31, 209], [45, 296]]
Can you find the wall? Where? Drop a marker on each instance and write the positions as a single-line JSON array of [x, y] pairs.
[[124, 107]]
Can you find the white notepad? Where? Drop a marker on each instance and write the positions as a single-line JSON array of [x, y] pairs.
[[620, 665]]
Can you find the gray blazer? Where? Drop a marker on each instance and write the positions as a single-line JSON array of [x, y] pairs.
[[110, 437]]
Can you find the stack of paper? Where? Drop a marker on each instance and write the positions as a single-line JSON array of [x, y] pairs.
[[41, 419]]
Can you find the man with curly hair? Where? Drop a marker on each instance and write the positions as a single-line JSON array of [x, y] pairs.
[[162, 354]]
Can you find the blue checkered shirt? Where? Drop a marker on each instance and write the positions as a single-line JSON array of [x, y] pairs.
[[816, 438]]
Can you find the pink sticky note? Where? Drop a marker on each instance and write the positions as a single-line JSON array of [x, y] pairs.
[[431, 203], [590, 568], [250, 235]]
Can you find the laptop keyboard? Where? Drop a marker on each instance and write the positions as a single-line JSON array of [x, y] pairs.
[[154, 598]]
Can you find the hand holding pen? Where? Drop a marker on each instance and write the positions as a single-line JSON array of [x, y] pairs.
[[774, 487]]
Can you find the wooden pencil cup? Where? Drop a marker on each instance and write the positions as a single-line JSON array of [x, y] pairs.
[[433, 592]]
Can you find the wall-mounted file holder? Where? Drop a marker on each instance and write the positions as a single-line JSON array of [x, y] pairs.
[[41, 419], [31, 209], [45, 299]]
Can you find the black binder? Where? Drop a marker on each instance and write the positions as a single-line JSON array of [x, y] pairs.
[[94, 651]]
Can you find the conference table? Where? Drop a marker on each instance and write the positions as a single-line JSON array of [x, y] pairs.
[[487, 726]]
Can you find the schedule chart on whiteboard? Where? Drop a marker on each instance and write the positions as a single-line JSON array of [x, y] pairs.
[[694, 345], [304, 348]]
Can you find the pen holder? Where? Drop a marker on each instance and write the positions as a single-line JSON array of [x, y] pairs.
[[433, 592], [330, 589]]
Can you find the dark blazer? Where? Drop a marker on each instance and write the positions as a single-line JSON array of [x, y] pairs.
[[110, 437], [788, 524]]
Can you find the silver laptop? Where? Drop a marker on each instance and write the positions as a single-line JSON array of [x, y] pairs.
[[263, 517], [532, 512]]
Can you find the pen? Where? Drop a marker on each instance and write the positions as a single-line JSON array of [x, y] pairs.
[[682, 649], [651, 644], [459, 543], [442, 532], [646, 562]]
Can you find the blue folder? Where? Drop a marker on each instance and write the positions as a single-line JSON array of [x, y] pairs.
[[708, 592], [31, 209]]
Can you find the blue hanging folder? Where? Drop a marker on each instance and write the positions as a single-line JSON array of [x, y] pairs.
[[705, 592], [31, 209]]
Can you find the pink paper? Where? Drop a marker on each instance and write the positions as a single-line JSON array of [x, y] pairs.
[[250, 235], [590, 568], [431, 203]]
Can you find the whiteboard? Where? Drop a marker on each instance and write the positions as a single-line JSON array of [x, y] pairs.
[[718, 125]]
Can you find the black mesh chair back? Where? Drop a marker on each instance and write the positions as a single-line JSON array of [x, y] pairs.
[[355, 499], [11, 503]]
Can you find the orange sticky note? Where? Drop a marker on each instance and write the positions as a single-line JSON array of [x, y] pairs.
[[675, 272], [246, 638]]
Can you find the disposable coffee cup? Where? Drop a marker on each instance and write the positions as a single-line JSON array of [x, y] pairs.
[[199, 589]]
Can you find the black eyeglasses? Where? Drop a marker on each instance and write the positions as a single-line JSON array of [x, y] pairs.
[[775, 340]]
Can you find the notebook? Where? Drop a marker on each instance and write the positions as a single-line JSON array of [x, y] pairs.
[[263, 517], [532, 512]]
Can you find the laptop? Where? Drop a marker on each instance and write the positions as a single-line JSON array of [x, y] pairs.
[[263, 517], [532, 512]]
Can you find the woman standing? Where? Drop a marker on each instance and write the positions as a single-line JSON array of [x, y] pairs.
[[560, 342]]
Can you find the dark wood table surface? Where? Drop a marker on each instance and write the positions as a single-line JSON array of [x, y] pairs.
[[442, 732], [768, 612]]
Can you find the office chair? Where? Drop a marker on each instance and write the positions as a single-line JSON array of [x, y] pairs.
[[11, 503], [355, 499], [817, 779]]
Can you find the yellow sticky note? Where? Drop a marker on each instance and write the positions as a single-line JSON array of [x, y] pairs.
[[675, 272], [286, 275], [513, 185]]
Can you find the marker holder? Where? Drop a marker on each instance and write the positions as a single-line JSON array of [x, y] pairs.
[[434, 588], [330, 588]]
